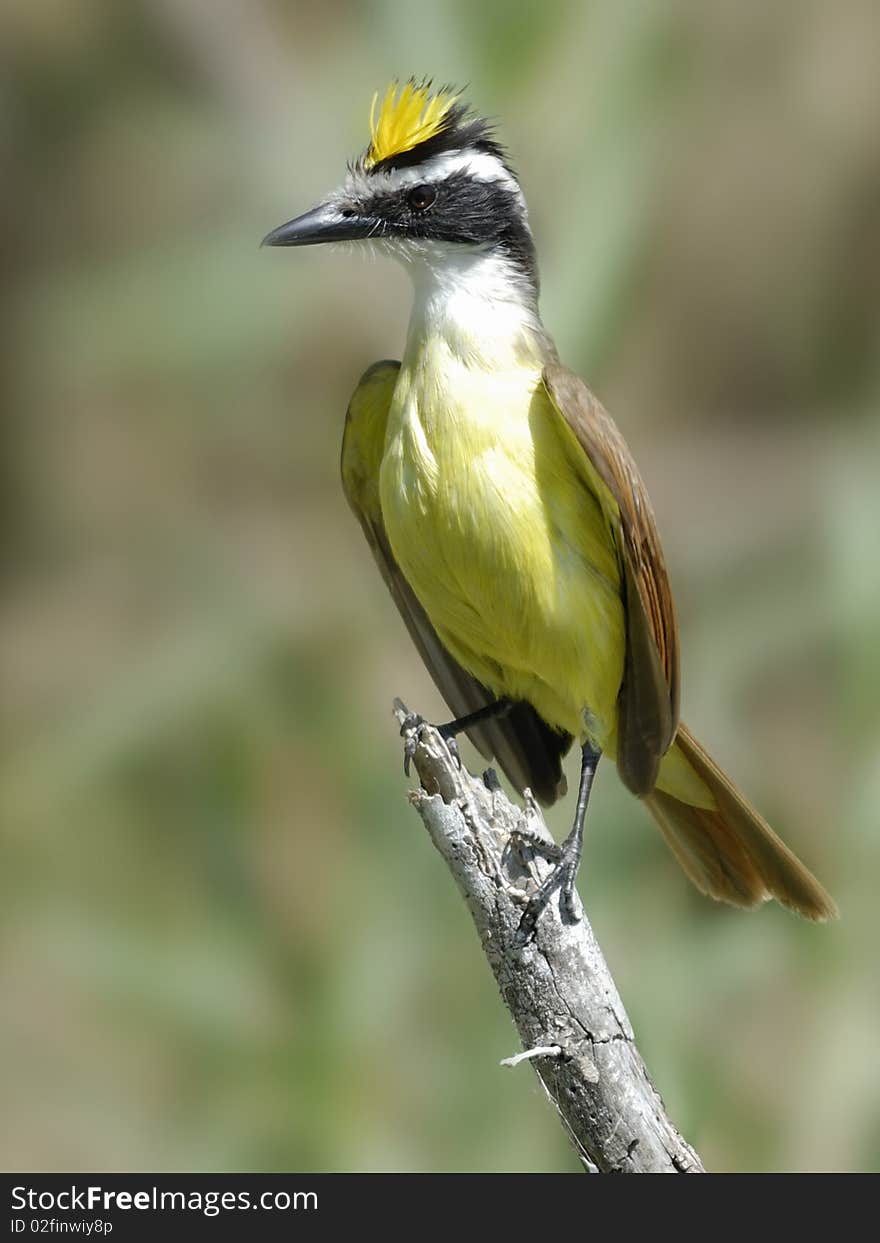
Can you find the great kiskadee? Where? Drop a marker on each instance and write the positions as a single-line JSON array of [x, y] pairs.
[[508, 518]]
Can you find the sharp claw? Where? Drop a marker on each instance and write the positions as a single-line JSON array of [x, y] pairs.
[[411, 722], [537, 842], [569, 898], [409, 750], [409, 730], [562, 876]]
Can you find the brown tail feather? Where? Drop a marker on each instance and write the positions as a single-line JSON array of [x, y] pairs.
[[729, 852]]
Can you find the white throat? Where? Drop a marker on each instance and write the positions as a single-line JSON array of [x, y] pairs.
[[476, 303]]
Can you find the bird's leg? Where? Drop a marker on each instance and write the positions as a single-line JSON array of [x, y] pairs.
[[448, 732], [498, 707], [567, 857]]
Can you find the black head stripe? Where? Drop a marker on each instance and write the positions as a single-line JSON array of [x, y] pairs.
[[468, 211]]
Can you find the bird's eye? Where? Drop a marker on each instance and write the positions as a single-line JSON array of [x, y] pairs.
[[420, 198]]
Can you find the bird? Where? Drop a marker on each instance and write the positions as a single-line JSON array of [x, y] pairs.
[[507, 515]]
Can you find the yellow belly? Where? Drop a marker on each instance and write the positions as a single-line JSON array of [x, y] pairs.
[[491, 521]]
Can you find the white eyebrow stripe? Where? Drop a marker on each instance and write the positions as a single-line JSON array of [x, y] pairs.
[[481, 165]]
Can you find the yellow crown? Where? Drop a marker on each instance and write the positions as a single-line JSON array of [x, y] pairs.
[[408, 116]]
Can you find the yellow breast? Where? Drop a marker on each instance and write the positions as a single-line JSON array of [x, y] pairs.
[[490, 518]]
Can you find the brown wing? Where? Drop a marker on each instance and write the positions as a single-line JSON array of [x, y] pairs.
[[525, 747], [649, 693]]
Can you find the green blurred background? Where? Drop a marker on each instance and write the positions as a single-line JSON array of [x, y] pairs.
[[227, 943]]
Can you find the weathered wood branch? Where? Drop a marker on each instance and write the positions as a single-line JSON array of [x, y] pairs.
[[557, 986]]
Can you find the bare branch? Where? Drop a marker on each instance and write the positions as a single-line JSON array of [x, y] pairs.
[[557, 986]]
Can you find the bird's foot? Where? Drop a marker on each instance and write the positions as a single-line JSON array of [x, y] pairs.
[[410, 723], [409, 731], [533, 839], [447, 733], [566, 858]]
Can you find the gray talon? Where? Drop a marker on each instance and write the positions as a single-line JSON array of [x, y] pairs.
[[411, 722], [562, 877], [570, 900], [409, 730], [452, 748], [537, 842], [409, 749]]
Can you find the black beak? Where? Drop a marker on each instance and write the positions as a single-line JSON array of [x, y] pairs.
[[324, 223]]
